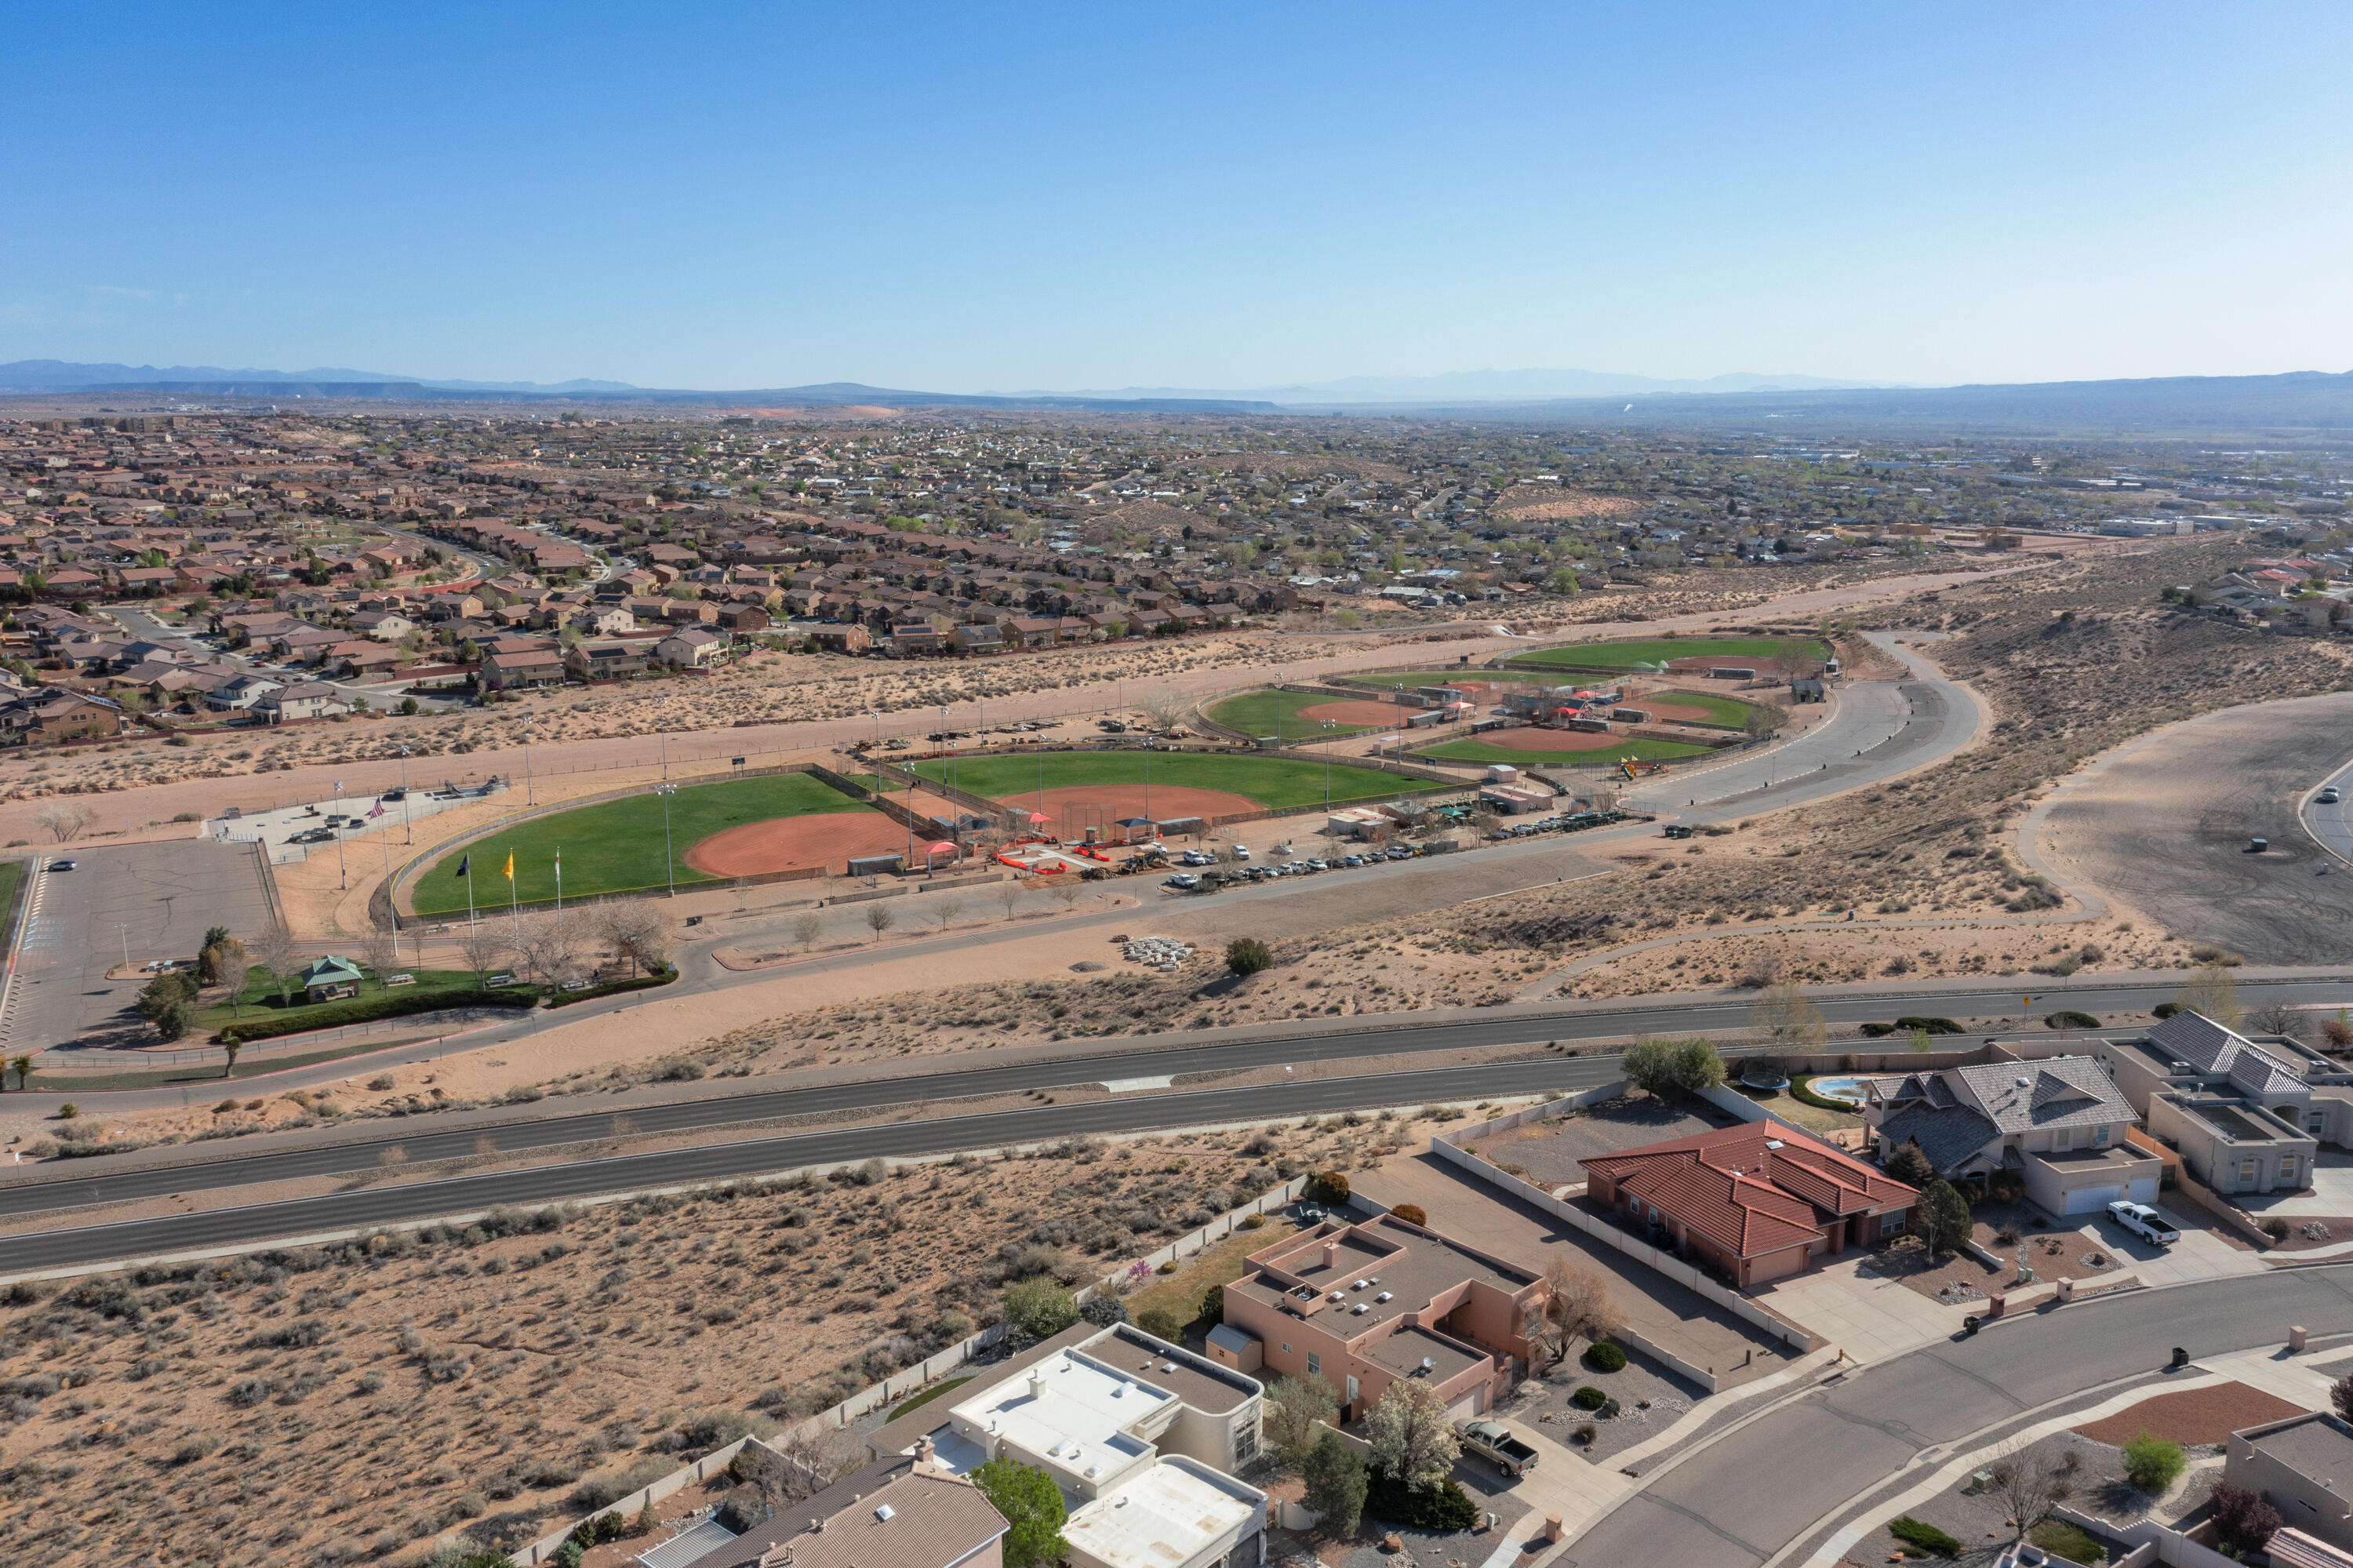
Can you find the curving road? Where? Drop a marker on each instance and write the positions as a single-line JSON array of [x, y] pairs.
[[1783, 1479]]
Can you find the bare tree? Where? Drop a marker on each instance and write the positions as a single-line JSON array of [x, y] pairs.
[[376, 952], [947, 911], [1787, 1019], [1165, 709], [274, 951], [2032, 1482], [2273, 1018], [481, 947], [1008, 894], [636, 931], [66, 824], [1575, 1305], [550, 943], [1066, 890], [879, 918], [806, 929]]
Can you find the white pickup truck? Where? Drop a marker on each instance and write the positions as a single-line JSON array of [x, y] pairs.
[[1492, 1440]]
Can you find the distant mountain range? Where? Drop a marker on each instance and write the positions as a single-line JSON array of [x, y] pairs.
[[1483, 387], [2301, 400]]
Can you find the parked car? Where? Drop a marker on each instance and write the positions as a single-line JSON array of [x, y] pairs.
[[2328, 795], [1195, 858], [1241, 852], [1352, 860], [1183, 881], [2145, 1223], [61, 865], [1493, 1441]]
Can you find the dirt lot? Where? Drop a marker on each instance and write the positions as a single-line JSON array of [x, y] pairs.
[[376, 1394], [2165, 828]]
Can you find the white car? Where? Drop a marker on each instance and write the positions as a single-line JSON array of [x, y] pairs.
[[2145, 1223], [2330, 795]]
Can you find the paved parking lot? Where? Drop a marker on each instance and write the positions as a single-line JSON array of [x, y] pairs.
[[151, 901]]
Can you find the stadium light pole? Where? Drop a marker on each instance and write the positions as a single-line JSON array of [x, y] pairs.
[[530, 789], [1329, 725], [661, 732], [669, 866]]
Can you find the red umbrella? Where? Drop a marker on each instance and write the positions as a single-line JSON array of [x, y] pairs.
[[943, 847], [1039, 817]]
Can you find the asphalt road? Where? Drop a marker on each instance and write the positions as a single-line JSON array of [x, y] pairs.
[[151, 900], [2166, 825], [1121, 1113], [1783, 1478]]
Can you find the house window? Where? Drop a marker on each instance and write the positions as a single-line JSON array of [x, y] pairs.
[[2100, 1137], [1892, 1225], [1315, 1364], [1286, 1349]]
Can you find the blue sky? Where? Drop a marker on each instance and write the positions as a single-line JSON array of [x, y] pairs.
[[972, 198]]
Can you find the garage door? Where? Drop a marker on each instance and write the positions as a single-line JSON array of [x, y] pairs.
[[1470, 1405], [2091, 1200], [2142, 1192]]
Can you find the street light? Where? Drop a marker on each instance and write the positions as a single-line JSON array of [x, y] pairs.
[[530, 790]]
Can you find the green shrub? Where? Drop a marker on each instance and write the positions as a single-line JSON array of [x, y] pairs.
[[2165, 1010], [1445, 1507], [2275, 1228], [1878, 1031], [392, 1004], [1933, 1025], [1604, 1357], [1926, 1537], [643, 982], [1162, 1323], [1247, 956], [2152, 1463], [1588, 1398], [1326, 1187], [1039, 1308], [2068, 1018]]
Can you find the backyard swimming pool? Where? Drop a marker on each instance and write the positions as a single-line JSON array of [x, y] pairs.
[[1846, 1091]]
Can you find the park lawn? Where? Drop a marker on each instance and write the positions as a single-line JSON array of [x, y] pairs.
[[260, 995], [617, 845], [1658, 651], [1287, 714], [12, 872], [1720, 710], [1641, 749], [1274, 782]]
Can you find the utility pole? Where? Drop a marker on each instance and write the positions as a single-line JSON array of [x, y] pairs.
[[341, 869]]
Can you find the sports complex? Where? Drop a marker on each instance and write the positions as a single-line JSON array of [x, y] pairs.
[[797, 822], [1766, 655]]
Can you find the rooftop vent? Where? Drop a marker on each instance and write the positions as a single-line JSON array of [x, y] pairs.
[[2021, 1082], [885, 1513], [1358, 1286], [1339, 1295], [1428, 1365], [1383, 1296], [1167, 1366], [1359, 1308]]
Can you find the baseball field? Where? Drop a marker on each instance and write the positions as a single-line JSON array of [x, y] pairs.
[[1179, 784], [1294, 715], [1762, 653], [1521, 747], [737, 827]]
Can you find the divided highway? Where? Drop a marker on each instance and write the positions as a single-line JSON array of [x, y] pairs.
[[937, 1135]]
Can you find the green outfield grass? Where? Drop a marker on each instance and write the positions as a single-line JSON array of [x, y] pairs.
[[1636, 750], [1290, 714], [1720, 710], [1412, 679], [1658, 651], [616, 844], [1274, 782]]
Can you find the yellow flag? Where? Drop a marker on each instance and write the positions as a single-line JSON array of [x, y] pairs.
[[509, 865]]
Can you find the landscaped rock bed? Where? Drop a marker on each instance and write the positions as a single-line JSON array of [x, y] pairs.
[[1649, 1399]]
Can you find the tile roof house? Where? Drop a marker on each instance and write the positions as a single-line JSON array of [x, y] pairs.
[[1754, 1203], [2190, 1052], [2059, 1124]]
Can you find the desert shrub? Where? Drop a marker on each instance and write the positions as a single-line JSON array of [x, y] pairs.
[[1161, 1323], [1878, 1031], [2165, 1010], [1604, 1357], [1410, 1213], [609, 1486], [1925, 1537], [1588, 1398], [2068, 1018], [1933, 1025], [2275, 1228], [1587, 1433], [1103, 1309], [1326, 1187], [1039, 1308], [2152, 1463], [1248, 956], [1444, 1508]]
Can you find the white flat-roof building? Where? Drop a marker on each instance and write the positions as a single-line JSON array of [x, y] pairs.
[[1177, 1513]]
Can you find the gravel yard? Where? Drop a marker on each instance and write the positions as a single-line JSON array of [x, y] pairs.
[[1649, 1399]]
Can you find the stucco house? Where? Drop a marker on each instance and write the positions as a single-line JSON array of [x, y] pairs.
[[2248, 1116], [2059, 1124]]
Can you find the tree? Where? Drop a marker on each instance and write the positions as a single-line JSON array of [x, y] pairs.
[[1293, 1408], [636, 932], [2152, 1463], [66, 824], [1039, 1308], [1942, 1217], [376, 948], [1413, 1442], [1335, 1485], [1575, 1305], [549, 946], [2274, 1017], [274, 950], [1247, 956], [23, 1067], [879, 918], [806, 929], [2242, 1518], [1785, 1017], [480, 948], [224, 963], [230, 1045], [207, 971], [2212, 994], [2030, 1483], [1032, 1506], [1910, 1165], [1666, 1066], [946, 911], [2340, 1394]]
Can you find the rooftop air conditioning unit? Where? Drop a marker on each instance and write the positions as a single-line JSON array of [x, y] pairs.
[[1358, 1309], [1382, 1297], [1339, 1295], [1358, 1286], [1167, 1366]]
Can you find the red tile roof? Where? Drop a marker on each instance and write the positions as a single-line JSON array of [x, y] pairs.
[[1753, 1189]]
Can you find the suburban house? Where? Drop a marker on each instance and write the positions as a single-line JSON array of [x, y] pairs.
[[1141, 1437], [2303, 1465], [42, 713], [505, 670], [2059, 1124], [242, 693], [2246, 1116], [1754, 1203], [899, 1512], [606, 660], [696, 648], [1363, 1305], [303, 700]]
